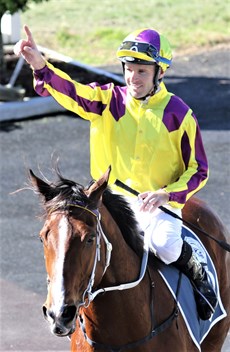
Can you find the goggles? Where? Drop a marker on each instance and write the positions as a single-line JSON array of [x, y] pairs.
[[144, 48]]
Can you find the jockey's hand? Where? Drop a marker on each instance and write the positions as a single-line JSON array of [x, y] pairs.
[[152, 200], [28, 49]]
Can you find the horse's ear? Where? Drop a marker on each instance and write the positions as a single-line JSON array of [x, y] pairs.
[[96, 190], [41, 187]]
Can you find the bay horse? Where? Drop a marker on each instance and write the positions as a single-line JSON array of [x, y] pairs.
[[92, 242]]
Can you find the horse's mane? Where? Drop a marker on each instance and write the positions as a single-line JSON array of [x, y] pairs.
[[64, 192], [125, 219]]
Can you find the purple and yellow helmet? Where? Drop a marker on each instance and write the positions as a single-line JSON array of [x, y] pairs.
[[146, 46]]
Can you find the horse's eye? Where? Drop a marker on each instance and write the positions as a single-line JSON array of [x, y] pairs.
[[44, 236], [90, 239]]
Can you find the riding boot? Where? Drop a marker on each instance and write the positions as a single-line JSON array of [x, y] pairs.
[[205, 297]]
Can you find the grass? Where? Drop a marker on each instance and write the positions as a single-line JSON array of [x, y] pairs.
[[90, 31]]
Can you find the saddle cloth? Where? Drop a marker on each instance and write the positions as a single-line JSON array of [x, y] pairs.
[[197, 328]]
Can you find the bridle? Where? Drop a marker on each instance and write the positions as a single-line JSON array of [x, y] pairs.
[[89, 295]]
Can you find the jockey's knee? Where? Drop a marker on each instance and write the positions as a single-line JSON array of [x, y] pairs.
[[163, 233], [169, 250]]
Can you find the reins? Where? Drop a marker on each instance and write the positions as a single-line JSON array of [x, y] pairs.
[[222, 244]]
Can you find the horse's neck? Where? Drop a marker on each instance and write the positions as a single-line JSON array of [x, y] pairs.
[[125, 267], [125, 263]]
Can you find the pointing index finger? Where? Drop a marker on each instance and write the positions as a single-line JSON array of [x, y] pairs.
[[29, 35]]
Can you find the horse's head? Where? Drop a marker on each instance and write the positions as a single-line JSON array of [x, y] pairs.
[[70, 242]]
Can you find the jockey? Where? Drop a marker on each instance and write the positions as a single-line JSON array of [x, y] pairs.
[[149, 136], [148, 47]]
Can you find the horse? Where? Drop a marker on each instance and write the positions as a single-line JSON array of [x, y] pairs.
[[98, 294]]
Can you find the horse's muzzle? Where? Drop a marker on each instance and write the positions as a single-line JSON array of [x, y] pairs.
[[64, 323]]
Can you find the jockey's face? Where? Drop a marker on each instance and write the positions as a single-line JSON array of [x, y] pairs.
[[139, 79]]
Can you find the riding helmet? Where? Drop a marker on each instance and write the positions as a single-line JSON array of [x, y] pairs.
[[146, 46]]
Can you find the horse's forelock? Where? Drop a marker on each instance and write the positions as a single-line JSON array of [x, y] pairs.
[[66, 192]]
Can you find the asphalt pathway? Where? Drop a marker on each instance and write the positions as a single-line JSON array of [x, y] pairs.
[[201, 81]]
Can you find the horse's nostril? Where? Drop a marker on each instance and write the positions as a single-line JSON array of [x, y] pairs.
[[69, 313], [44, 309], [48, 313], [58, 330]]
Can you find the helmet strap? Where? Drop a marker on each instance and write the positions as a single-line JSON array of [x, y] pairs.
[[156, 83], [156, 80]]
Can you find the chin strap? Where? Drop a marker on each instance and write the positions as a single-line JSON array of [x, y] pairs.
[[156, 80], [156, 83]]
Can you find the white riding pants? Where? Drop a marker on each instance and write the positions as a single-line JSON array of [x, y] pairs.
[[163, 231]]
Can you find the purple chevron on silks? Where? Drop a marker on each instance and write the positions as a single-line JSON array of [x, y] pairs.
[[39, 87], [173, 120], [174, 113], [201, 161], [67, 88], [186, 149], [118, 102]]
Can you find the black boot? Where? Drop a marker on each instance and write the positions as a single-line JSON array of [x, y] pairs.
[[205, 296]]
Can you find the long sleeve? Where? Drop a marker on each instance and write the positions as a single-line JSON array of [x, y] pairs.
[[195, 162], [84, 100]]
